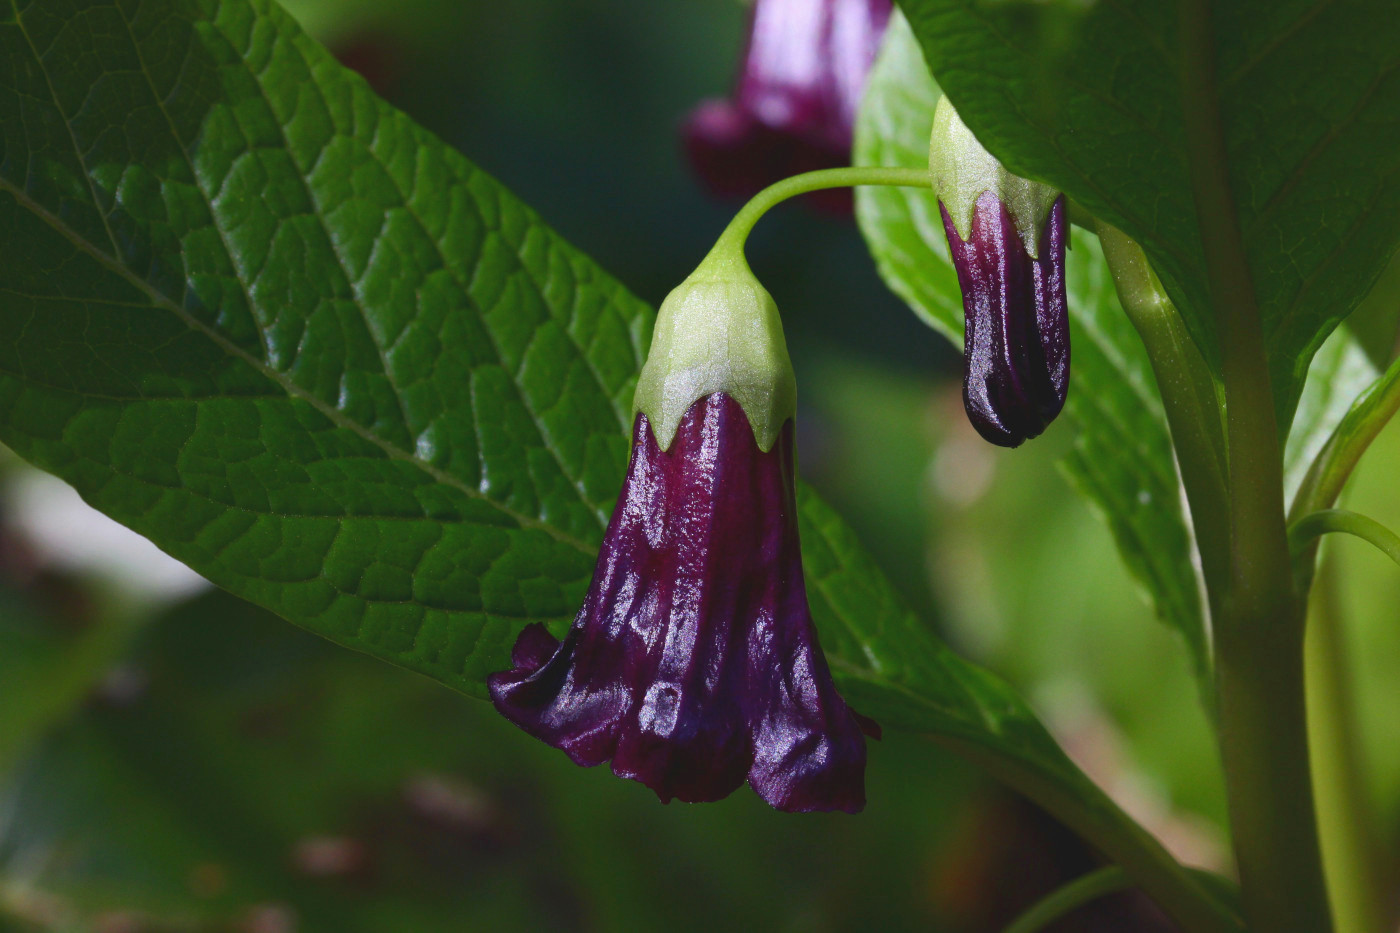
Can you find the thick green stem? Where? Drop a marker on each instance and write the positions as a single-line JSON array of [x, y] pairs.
[[1264, 746], [1078, 892], [1259, 628], [1352, 851]]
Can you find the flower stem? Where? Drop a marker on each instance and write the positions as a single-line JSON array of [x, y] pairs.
[[1188, 396], [1078, 892], [731, 241]]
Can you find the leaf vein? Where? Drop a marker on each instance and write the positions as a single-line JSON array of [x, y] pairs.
[[1279, 38], [1295, 177], [330, 412]]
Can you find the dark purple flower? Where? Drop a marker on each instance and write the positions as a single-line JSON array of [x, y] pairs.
[[794, 104], [693, 663], [1016, 340], [1006, 236]]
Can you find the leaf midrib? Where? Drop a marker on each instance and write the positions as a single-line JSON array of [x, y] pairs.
[[332, 414]]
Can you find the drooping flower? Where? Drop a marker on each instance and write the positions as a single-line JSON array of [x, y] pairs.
[[1007, 238], [794, 104], [694, 664]]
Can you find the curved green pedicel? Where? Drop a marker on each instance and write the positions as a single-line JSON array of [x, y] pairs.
[[718, 331], [962, 170]]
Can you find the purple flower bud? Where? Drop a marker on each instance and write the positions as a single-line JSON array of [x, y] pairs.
[[693, 663], [794, 105], [1016, 341], [1006, 235]]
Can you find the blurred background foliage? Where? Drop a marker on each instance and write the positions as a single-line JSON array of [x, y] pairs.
[[178, 762]]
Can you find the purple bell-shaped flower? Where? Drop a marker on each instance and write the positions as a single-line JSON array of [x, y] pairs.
[[694, 664], [794, 104]]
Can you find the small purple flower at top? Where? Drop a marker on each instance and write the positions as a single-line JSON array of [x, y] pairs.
[[794, 104]]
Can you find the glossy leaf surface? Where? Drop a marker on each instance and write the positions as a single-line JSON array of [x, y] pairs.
[[261, 317]]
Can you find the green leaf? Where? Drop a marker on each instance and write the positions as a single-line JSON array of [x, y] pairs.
[[1100, 100], [903, 226], [48, 664], [258, 315], [1122, 456], [1376, 321], [375, 466], [414, 457]]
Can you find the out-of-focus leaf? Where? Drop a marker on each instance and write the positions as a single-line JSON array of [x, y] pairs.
[[1103, 101], [58, 639], [1349, 398], [45, 673], [264, 773], [263, 769], [1368, 589], [1341, 370], [891, 667], [1122, 457], [1376, 321]]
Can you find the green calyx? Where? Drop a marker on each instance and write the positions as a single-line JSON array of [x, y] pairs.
[[962, 171], [718, 331]]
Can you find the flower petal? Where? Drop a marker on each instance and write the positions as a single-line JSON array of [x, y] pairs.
[[1016, 342], [693, 662]]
